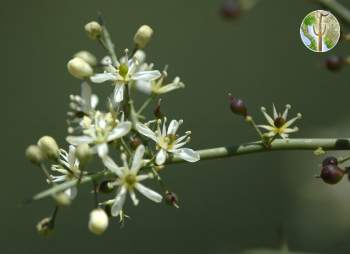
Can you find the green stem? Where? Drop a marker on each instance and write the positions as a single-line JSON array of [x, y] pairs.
[[327, 144], [145, 104]]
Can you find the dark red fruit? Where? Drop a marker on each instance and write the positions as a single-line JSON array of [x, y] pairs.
[[230, 9], [331, 160], [331, 174], [334, 63], [238, 106]]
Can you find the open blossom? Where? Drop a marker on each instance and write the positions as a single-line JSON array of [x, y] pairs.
[[125, 71], [158, 86], [278, 124], [100, 130], [168, 141], [69, 168], [128, 180]]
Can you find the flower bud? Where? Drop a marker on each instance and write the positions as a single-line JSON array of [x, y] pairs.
[[83, 153], [171, 199], [87, 57], [331, 174], [34, 154], [62, 199], [230, 9], [49, 147], [331, 160], [334, 63], [238, 106], [45, 226], [79, 68], [143, 36], [93, 29], [105, 187], [98, 221]]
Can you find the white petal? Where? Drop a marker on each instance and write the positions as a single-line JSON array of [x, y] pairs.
[[118, 94], [148, 193], [78, 140], [103, 77], [71, 156], [121, 130], [170, 87], [146, 131], [102, 149], [133, 197], [187, 154], [86, 93], [71, 192], [161, 157], [111, 165], [144, 86], [146, 75], [140, 178], [93, 101], [119, 201], [173, 126], [137, 160]]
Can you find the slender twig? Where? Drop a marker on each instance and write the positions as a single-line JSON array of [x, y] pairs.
[[223, 152]]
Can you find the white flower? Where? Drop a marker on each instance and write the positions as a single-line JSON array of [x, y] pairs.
[[83, 105], [98, 132], [278, 125], [129, 180], [125, 72], [69, 168], [168, 142], [158, 86]]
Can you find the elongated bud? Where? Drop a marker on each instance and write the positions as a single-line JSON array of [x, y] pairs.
[[238, 106], [49, 147], [87, 57], [79, 68], [143, 36], [62, 199], [45, 226], [93, 29], [98, 221], [83, 153], [34, 154]]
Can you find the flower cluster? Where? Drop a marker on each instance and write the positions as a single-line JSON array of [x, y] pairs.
[[129, 148]]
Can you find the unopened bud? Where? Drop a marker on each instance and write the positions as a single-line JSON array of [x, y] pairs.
[[143, 36], [62, 199], [93, 29], [34, 154], [87, 57], [79, 68], [83, 153], [45, 226], [238, 106], [49, 147], [98, 221]]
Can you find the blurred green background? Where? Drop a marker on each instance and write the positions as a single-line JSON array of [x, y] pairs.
[[226, 205]]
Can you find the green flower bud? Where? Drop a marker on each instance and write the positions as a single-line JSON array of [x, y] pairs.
[[49, 147], [83, 153], [79, 68], [62, 199], [93, 29], [143, 36], [98, 221], [87, 57], [34, 154]]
